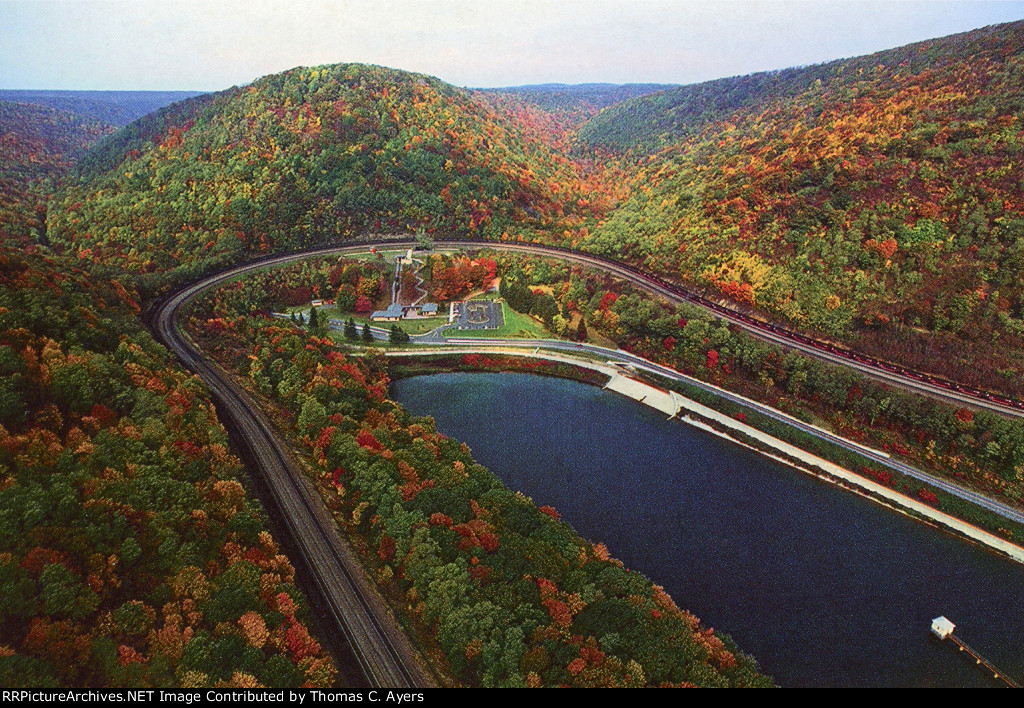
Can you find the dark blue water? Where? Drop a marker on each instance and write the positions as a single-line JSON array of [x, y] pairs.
[[823, 587]]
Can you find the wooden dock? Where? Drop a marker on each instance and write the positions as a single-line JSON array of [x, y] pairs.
[[984, 662]]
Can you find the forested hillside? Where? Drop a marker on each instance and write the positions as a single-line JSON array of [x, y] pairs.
[[553, 97], [873, 200], [561, 110], [109, 107], [130, 554], [38, 145], [876, 200], [312, 155], [650, 121]]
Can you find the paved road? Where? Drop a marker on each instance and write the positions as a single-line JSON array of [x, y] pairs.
[[440, 337], [882, 372], [386, 657]]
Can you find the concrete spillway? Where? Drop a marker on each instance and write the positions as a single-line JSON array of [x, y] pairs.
[[648, 395], [672, 404]]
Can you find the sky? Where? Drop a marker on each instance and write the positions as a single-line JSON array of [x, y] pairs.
[[215, 44]]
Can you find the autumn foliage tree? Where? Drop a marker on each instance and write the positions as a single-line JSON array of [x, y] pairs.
[[130, 555], [507, 593]]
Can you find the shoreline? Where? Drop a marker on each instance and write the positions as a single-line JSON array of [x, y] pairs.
[[696, 414]]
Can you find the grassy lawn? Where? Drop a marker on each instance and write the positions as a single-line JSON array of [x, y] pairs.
[[520, 326], [517, 326], [386, 256], [419, 326], [416, 326]]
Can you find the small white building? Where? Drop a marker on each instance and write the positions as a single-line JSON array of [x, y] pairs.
[[942, 627]]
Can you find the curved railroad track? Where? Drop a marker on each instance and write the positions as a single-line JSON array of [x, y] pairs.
[[386, 657], [383, 650], [888, 372]]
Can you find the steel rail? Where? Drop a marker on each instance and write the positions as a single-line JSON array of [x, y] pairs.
[[386, 657], [382, 649]]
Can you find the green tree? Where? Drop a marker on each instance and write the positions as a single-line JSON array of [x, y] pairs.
[[351, 332], [19, 593], [367, 334], [423, 241], [313, 416], [314, 321], [64, 594], [398, 335], [581, 331]]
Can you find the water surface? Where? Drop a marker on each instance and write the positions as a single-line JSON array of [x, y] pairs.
[[824, 587]]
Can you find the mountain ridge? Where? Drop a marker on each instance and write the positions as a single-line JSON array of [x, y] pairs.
[[113, 107], [690, 102]]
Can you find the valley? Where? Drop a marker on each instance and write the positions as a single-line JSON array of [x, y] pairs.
[[213, 329]]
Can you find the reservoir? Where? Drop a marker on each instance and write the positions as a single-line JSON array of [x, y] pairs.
[[823, 587]]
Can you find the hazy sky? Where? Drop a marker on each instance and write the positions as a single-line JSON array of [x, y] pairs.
[[214, 44]]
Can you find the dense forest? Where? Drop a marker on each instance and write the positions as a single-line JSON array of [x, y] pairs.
[[38, 146], [593, 97], [307, 156], [875, 200], [43, 134], [108, 107], [561, 110], [130, 553], [510, 594]]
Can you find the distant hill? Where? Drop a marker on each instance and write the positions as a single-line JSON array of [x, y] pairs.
[[42, 136], [38, 146], [876, 199], [560, 96], [309, 155], [554, 113], [649, 122], [111, 107]]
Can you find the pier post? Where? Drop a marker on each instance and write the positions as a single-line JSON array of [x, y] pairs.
[[943, 629]]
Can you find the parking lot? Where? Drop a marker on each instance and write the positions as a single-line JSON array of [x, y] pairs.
[[479, 314]]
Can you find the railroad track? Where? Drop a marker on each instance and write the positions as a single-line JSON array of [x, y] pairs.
[[888, 372], [385, 656], [919, 382]]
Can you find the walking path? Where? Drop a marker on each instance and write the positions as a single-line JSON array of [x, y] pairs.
[[419, 279]]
